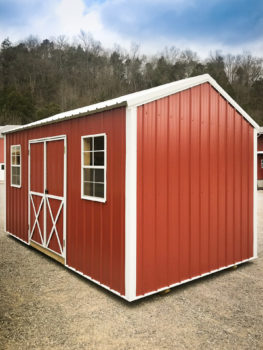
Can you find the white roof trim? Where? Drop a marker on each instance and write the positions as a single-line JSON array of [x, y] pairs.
[[142, 97]]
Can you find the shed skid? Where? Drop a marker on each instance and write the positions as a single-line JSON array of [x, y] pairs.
[[141, 193]]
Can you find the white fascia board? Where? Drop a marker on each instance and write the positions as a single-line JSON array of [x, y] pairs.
[[232, 102]]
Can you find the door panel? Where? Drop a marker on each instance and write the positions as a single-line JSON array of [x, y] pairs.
[[37, 218], [55, 212], [36, 192], [37, 167], [55, 167], [46, 194]]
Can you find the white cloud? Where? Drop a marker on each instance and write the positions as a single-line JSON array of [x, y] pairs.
[[69, 17]]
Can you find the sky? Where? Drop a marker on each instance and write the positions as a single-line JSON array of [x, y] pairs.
[[229, 26]]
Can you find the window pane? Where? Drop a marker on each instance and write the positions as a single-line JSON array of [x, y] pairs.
[[15, 170], [87, 144], [99, 190], [13, 159], [88, 188], [99, 175], [18, 159], [15, 155], [87, 158], [99, 143], [15, 179], [2, 167], [98, 158], [88, 175]]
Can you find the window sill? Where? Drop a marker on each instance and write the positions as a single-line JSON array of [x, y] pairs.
[[16, 186], [94, 199]]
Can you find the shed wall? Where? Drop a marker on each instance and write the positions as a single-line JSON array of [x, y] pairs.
[[260, 143], [95, 231], [2, 158], [195, 187]]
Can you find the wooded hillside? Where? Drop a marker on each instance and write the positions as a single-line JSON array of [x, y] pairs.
[[39, 79]]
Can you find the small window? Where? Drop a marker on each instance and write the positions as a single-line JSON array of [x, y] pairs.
[[261, 163], [2, 167], [16, 166], [93, 183]]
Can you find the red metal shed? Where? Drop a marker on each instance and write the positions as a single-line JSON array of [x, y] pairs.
[[140, 193]]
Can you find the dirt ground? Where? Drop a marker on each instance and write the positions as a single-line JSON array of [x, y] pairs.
[[45, 306]]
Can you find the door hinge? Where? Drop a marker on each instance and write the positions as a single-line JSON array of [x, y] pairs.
[[28, 151], [64, 243], [65, 149]]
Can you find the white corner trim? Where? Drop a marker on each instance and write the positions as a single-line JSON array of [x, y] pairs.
[[255, 235], [131, 203]]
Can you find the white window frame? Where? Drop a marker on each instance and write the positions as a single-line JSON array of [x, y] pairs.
[[17, 166], [104, 167]]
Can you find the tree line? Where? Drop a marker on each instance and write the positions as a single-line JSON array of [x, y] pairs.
[[41, 78]]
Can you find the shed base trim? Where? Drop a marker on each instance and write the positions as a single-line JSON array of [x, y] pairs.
[[194, 278], [48, 253], [56, 257], [19, 239]]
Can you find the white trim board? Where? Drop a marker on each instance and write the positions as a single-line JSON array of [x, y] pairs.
[[131, 204], [142, 97]]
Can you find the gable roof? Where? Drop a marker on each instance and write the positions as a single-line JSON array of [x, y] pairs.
[[139, 98], [5, 128]]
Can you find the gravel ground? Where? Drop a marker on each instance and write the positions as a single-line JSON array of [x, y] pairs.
[[45, 306]]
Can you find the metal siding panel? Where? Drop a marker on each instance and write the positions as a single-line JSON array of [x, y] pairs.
[[204, 179], [201, 230], [244, 204], [213, 174], [162, 189], [195, 180], [222, 184], [149, 151], [237, 188], [229, 186], [87, 221], [184, 184], [174, 183]]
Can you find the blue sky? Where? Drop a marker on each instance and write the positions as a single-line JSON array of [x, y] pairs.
[[232, 26]]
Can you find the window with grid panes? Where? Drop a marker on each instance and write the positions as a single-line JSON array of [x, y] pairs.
[[16, 165], [94, 167]]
